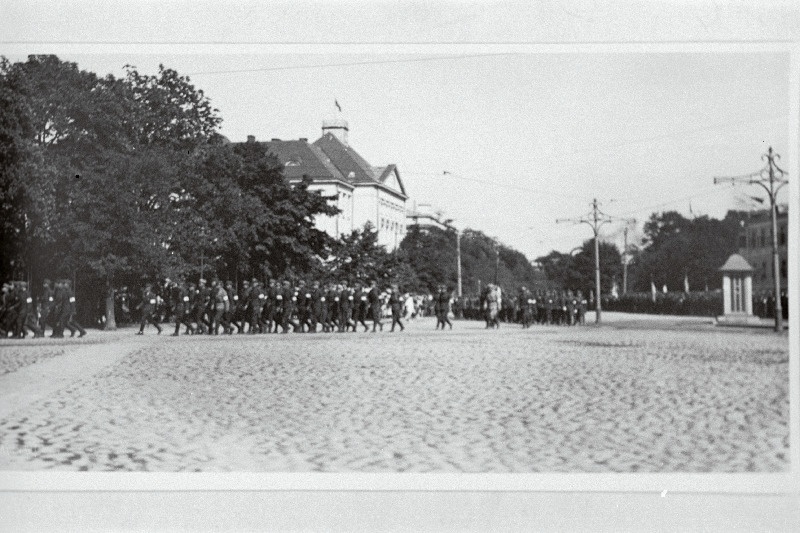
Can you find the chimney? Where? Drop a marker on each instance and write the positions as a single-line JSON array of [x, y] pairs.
[[304, 139], [275, 140], [251, 138]]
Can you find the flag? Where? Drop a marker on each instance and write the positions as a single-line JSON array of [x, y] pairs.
[[686, 283], [335, 101], [653, 290]]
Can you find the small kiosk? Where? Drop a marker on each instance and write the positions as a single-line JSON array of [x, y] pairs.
[[737, 293]]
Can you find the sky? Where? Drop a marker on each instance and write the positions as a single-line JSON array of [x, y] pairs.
[[509, 143]]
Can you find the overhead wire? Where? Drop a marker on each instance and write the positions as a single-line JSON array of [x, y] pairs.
[[351, 64]]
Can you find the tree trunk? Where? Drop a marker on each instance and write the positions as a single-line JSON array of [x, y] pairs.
[[111, 321]]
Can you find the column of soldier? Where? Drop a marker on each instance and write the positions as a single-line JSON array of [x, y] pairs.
[[271, 308], [551, 307], [20, 316]]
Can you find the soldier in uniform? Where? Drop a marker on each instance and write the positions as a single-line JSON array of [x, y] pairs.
[[333, 307], [346, 309], [71, 323], [302, 305], [242, 302], [256, 306], [317, 308], [58, 303], [441, 307], [272, 305], [148, 307], [11, 306], [582, 307], [221, 307], [572, 308], [46, 305], [180, 301], [233, 307], [288, 302], [360, 307], [200, 304], [374, 299], [396, 305], [27, 319]]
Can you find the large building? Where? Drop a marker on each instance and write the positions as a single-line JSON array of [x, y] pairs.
[[363, 193], [755, 245]]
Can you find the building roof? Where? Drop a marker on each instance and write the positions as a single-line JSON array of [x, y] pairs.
[[299, 158], [345, 159], [354, 167], [736, 263], [329, 159]]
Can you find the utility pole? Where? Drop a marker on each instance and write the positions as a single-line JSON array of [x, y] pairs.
[[625, 256], [497, 260], [625, 264], [458, 260], [595, 219], [772, 183]]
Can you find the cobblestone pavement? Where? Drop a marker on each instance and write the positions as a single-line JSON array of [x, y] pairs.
[[546, 399]]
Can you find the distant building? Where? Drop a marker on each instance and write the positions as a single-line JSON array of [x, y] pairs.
[[424, 216], [364, 193], [755, 245]]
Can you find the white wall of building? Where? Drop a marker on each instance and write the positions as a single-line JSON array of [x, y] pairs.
[[384, 210], [339, 224], [391, 219]]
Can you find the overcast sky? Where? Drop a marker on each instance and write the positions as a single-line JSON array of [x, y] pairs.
[[525, 138]]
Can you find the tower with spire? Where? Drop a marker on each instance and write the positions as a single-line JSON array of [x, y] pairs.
[[336, 125]]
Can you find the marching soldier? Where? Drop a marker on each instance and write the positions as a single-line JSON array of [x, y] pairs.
[[288, 301], [148, 307], [200, 304], [221, 306], [374, 298], [69, 316], [333, 307], [26, 319], [319, 310], [302, 305], [360, 307], [346, 309], [46, 305], [582, 307], [257, 299], [181, 307], [442, 307], [396, 304]]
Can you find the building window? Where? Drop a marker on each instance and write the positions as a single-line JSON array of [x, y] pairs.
[[742, 241], [763, 237], [784, 270], [782, 236], [763, 270]]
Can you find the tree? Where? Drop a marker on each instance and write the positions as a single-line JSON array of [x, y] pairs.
[[98, 179], [359, 258], [677, 248], [576, 272]]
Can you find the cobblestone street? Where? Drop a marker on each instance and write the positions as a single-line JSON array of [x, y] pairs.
[[546, 399]]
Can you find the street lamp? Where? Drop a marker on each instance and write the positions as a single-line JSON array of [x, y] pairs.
[[772, 184], [448, 224]]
